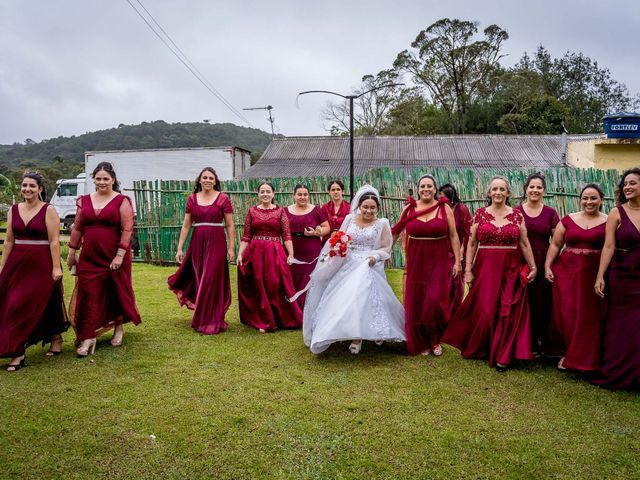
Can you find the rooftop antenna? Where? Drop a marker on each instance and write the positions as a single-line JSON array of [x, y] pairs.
[[268, 108]]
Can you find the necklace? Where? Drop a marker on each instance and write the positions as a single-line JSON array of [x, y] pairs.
[[632, 208]]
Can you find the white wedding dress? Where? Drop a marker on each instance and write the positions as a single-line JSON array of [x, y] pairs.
[[349, 300]]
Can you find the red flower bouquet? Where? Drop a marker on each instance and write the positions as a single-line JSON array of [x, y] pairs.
[[339, 244]]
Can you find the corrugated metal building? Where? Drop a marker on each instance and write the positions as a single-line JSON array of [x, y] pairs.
[[329, 156]]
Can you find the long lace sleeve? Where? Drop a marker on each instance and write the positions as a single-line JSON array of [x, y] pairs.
[[78, 227], [247, 234], [126, 223], [385, 240], [284, 225]]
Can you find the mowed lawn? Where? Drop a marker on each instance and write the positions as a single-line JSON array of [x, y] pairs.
[[171, 403]]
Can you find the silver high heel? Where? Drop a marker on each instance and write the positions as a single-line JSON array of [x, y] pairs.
[[118, 336], [355, 347], [86, 348]]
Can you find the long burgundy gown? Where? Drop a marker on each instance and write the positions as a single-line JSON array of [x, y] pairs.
[[620, 368], [31, 303], [306, 249], [493, 320], [428, 278], [462, 217], [264, 278], [104, 297], [335, 217], [578, 313], [202, 281], [539, 232]]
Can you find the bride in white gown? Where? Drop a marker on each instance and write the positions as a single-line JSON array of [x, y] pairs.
[[349, 297]]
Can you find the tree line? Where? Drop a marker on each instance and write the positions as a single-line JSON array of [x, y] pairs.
[[63, 157], [455, 84]]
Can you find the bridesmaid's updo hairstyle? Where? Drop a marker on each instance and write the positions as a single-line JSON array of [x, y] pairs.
[[451, 193], [107, 167], [493, 179], [597, 188], [335, 182], [268, 184], [216, 186], [39, 180], [298, 187], [620, 198], [369, 196], [533, 176]]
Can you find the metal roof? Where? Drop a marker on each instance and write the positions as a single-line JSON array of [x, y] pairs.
[[328, 156]]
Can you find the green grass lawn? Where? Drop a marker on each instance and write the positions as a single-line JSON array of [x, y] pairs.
[[171, 403]]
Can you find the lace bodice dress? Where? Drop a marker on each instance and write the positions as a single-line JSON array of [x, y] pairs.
[[348, 299]]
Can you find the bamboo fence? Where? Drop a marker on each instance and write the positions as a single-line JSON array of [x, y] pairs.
[[161, 204]]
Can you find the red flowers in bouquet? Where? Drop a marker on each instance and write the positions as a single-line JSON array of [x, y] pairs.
[[339, 244]]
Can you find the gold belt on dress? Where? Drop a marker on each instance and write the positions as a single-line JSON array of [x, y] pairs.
[[427, 238], [208, 224], [501, 247], [581, 250], [31, 242]]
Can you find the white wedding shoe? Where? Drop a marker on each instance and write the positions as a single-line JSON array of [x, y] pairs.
[[355, 347]]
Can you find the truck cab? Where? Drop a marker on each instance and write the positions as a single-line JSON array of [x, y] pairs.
[[64, 198]]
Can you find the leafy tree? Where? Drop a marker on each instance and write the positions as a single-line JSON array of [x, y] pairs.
[[454, 67]]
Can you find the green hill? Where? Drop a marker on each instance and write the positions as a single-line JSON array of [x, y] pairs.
[[158, 134]]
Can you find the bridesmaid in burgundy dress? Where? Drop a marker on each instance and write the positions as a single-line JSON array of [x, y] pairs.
[[493, 320], [540, 221], [308, 223], [431, 235], [202, 281], [31, 303], [620, 366], [264, 276], [462, 217], [104, 294], [335, 209], [578, 313]]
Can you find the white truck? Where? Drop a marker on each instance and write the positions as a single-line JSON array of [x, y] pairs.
[[154, 164]]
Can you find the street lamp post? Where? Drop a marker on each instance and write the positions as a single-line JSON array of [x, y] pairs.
[[351, 98]]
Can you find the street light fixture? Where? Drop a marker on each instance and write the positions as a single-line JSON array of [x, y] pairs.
[[351, 98]]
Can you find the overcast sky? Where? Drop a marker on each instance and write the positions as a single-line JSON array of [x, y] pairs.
[[72, 66]]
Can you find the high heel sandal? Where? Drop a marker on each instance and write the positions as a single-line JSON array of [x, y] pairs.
[[354, 348], [118, 336], [16, 367], [58, 341], [86, 348], [437, 350]]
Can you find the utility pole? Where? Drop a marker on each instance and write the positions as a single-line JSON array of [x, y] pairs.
[[351, 98], [268, 108]]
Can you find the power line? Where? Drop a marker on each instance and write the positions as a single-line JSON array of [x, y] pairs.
[[182, 57]]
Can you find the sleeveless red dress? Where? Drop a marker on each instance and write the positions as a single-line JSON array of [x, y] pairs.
[[462, 218], [620, 368], [427, 286], [202, 281], [264, 278], [578, 313], [31, 303], [104, 297], [306, 249], [493, 320], [539, 232]]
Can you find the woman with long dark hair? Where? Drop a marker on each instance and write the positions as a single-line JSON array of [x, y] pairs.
[[308, 223], [578, 313], [104, 294], [264, 276], [462, 218], [31, 302], [431, 236], [202, 281], [493, 320], [540, 220], [620, 365], [337, 208]]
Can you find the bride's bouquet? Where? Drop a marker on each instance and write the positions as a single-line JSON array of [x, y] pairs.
[[339, 244]]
